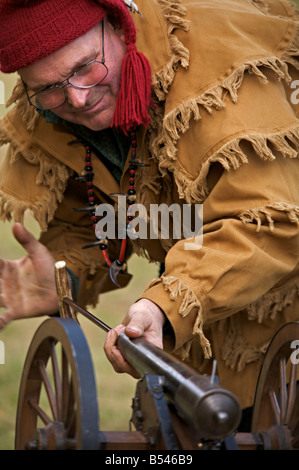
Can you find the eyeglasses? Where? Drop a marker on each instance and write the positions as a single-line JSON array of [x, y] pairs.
[[87, 76]]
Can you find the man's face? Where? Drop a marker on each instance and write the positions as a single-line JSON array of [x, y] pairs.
[[93, 107]]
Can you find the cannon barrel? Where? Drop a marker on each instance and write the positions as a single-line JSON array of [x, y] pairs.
[[214, 411]]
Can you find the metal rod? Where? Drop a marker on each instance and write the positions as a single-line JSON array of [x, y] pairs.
[[87, 314]]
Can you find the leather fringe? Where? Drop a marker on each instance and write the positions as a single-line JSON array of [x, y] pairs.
[[231, 156], [173, 13], [234, 352], [165, 130], [260, 214], [43, 210], [29, 114], [190, 301], [51, 174], [273, 303]]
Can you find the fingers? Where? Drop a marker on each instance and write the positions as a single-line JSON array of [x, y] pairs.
[[34, 248], [118, 362], [144, 318], [25, 238]]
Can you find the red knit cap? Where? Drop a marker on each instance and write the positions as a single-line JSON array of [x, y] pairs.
[[33, 29]]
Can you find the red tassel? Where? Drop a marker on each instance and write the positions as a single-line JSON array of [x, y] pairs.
[[134, 97]]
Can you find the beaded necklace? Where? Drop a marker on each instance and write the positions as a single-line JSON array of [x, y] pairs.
[[118, 265]]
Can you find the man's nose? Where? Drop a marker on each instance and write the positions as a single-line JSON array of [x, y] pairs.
[[76, 97]]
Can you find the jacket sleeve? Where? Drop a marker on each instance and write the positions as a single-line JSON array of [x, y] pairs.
[[250, 248]]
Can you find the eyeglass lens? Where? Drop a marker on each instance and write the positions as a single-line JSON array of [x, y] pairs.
[[88, 76]]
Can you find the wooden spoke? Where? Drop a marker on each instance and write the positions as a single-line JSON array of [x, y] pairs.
[[283, 389], [43, 416], [60, 394], [49, 389], [277, 396], [275, 405]]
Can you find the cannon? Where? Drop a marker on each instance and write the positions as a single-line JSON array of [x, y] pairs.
[[174, 407]]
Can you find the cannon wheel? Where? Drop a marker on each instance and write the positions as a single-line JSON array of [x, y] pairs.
[[276, 408], [57, 407]]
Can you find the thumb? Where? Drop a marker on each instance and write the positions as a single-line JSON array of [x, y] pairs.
[[130, 329], [26, 239], [133, 330]]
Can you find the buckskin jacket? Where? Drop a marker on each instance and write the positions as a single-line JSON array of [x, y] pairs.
[[224, 133]]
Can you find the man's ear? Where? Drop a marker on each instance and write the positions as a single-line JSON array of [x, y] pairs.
[[111, 22], [119, 32]]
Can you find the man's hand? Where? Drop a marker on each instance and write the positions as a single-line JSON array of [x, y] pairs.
[[144, 318], [27, 285]]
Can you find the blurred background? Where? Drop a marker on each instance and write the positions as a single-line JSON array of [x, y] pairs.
[[115, 392]]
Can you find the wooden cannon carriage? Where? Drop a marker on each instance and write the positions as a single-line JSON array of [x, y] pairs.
[[174, 408]]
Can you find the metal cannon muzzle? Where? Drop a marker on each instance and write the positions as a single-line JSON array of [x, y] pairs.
[[214, 411]]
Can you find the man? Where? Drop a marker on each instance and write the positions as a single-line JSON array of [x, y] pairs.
[[222, 131]]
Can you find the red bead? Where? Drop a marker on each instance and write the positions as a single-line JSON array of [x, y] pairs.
[[93, 217], [132, 180], [91, 198]]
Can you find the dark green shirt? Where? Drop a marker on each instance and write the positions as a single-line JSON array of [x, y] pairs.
[[110, 145]]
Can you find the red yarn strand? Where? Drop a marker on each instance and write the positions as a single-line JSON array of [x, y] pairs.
[[133, 100]]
